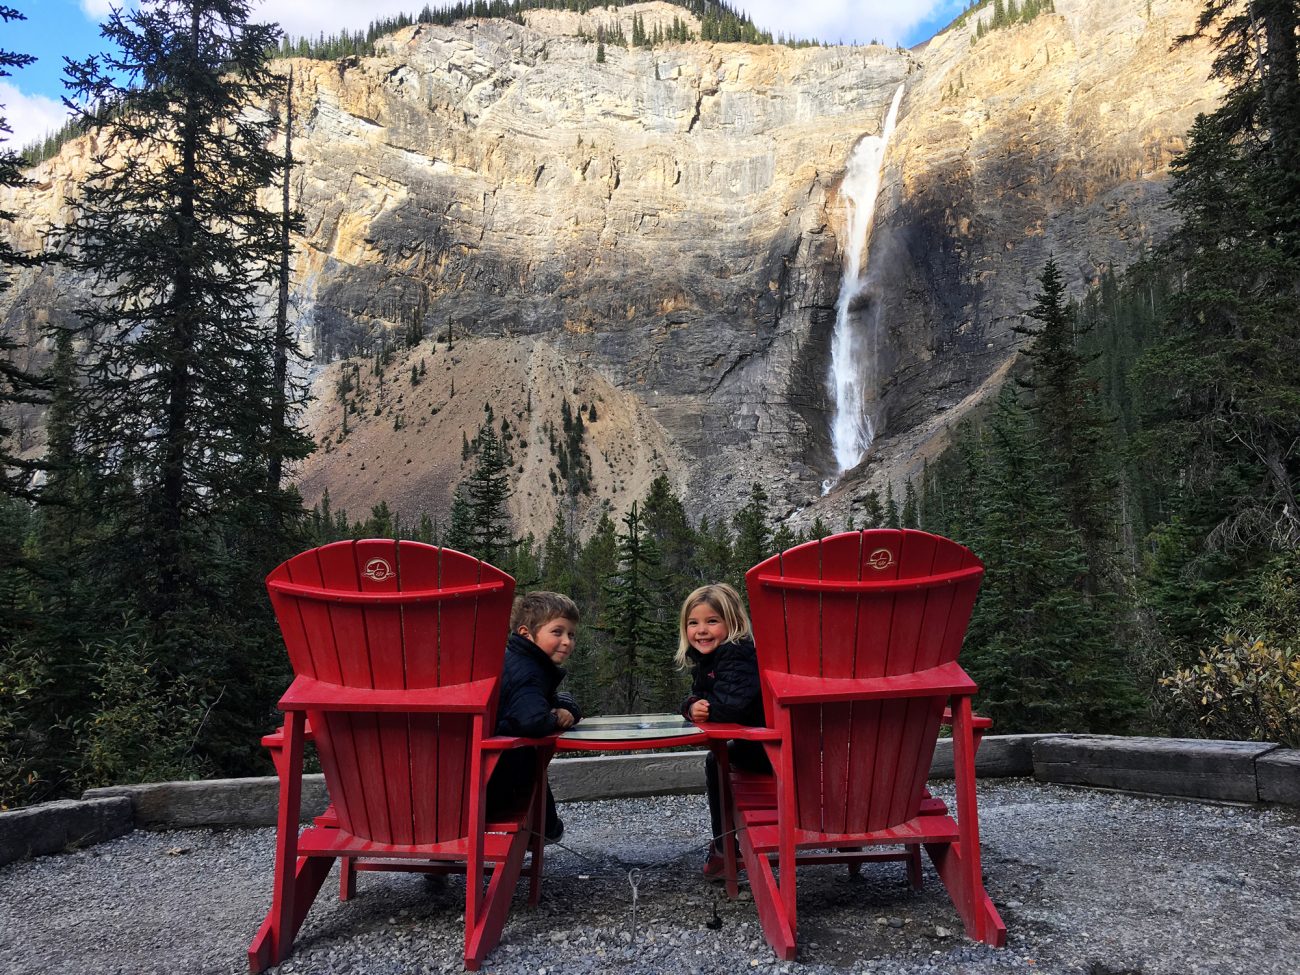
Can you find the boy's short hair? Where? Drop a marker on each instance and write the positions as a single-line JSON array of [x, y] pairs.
[[535, 609]]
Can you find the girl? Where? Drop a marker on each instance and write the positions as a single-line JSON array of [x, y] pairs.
[[716, 639]]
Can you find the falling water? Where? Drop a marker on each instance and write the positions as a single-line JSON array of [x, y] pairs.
[[851, 429]]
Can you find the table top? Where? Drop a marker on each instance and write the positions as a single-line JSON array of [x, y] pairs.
[[624, 732]]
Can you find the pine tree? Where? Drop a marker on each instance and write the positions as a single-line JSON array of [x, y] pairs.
[[1070, 425], [285, 441], [19, 386], [641, 641], [1041, 650], [753, 534], [664, 517], [487, 489], [911, 517], [891, 516], [176, 405], [174, 410]]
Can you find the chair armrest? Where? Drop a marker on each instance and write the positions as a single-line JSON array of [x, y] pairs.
[[942, 681], [500, 743], [978, 721], [276, 738], [309, 694], [725, 731]]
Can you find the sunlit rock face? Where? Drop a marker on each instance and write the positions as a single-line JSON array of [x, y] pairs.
[[662, 233]]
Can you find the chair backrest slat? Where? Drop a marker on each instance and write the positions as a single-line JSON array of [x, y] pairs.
[[394, 615], [862, 604]]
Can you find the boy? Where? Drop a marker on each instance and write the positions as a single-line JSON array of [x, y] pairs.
[[542, 631]]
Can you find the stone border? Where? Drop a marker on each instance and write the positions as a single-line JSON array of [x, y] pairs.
[[1187, 768], [54, 827]]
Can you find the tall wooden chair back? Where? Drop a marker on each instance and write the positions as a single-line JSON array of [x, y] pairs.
[[869, 604], [394, 615], [397, 650]]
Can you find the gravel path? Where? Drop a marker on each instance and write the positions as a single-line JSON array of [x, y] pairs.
[[1089, 883]]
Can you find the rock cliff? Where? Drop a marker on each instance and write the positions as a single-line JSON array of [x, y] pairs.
[[661, 235]]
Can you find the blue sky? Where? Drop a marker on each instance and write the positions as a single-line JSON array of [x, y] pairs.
[[55, 29]]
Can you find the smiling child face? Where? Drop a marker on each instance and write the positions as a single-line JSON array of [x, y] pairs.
[[705, 628], [554, 637]]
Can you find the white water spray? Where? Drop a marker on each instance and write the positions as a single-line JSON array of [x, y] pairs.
[[851, 428]]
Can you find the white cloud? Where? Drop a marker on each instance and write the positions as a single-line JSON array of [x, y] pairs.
[[850, 20], [299, 19], [31, 117], [98, 9], [826, 20]]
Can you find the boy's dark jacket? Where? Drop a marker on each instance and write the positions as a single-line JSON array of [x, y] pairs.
[[728, 679], [529, 690]]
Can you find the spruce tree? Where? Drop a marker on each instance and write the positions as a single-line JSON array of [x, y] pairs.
[[487, 489], [1041, 650], [174, 409], [753, 534], [179, 362], [641, 641], [20, 386], [1070, 425]]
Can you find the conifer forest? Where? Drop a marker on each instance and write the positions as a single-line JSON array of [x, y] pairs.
[[1132, 488]]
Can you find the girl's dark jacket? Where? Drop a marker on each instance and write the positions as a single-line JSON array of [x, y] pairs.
[[728, 679], [530, 684]]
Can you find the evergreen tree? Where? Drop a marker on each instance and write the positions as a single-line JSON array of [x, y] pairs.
[[1043, 654], [891, 516], [753, 535], [665, 521], [177, 383], [641, 642], [1070, 425], [285, 441], [174, 412], [911, 517], [19, 386], [714, 558], [486, 490]]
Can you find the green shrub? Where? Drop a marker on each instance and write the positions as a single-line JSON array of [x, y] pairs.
[[145, 722], [1247, 686]]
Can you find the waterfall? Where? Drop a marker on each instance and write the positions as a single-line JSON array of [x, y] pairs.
[[851, 428]]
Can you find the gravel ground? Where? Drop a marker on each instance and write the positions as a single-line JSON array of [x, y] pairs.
[[1089, 883]]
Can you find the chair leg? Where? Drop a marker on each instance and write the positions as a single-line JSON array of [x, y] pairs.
[[914, 875], [536, 831], [347, 879], [297, 879], [486, 932], [777, 924], [306, 884], [958, 863], [728, 808]]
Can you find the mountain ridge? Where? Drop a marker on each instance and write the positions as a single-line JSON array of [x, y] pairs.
[[667, 224]]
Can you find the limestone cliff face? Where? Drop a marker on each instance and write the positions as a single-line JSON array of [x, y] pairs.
[[1051, 138], [661, 235]]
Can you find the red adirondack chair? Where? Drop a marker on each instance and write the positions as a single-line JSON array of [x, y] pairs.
[[857, 638], [397, 648]]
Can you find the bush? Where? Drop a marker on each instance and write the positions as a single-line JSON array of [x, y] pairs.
[[145, 723], [1247, 686], [24, 681]]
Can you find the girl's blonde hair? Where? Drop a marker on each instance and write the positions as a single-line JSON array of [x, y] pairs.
[[726, 602]]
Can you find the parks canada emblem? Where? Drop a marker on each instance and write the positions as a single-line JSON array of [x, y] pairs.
[[378, 570]]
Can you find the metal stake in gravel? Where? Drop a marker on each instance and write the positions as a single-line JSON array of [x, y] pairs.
[[634, 873], [633, 876]]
